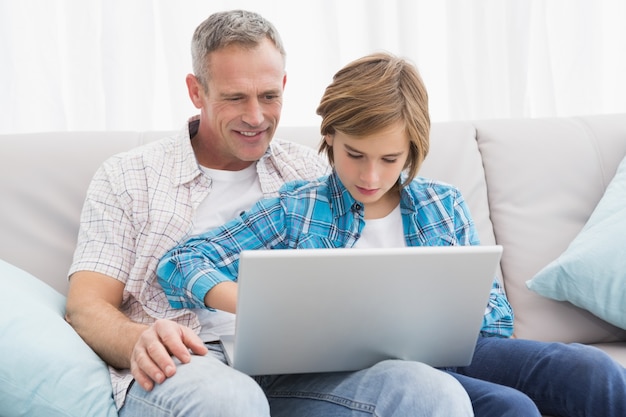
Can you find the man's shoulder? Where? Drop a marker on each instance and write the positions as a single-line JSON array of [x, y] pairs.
[[283, 146], [154, 153], [304, 160]]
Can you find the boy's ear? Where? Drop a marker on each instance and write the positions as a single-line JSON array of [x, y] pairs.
[[329, 139]]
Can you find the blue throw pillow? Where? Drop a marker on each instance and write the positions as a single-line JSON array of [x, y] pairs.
[[45, 367], [591, 273]]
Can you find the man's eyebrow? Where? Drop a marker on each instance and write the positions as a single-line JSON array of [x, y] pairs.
[[272, 91], [230, 94]]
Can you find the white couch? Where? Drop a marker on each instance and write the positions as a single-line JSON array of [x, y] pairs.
[[531, 185]]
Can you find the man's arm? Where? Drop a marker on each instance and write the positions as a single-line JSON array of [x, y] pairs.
[[92, 308]]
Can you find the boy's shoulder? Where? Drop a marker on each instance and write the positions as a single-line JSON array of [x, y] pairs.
[[304, 187], [422, 183], [427, 188]]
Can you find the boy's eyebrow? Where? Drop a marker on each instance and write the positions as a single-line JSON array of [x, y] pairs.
[[351, 149]]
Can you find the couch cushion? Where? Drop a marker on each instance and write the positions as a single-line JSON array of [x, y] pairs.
[[591, 273], [545, 177], [45, 367]]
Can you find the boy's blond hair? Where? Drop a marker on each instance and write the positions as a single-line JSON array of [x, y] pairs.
[[373, 93]]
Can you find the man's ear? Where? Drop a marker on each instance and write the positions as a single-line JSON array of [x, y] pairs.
[[195, 90]]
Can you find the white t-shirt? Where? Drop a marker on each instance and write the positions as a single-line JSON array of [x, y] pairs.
[[386, 232], [231, 193]]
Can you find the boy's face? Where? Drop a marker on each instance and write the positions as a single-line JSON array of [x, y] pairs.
[[370, 166]]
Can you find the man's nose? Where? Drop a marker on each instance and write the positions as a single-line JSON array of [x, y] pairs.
[[253, 114]]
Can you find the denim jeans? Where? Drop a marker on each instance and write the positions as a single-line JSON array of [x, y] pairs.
[[208, 387], [516, 377]]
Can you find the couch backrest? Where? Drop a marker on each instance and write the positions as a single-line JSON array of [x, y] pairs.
[[45, 176], [530, 185]]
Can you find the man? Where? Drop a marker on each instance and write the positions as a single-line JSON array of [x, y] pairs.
[[142, 203]]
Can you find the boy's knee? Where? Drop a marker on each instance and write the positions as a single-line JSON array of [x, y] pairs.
[[506, 402]]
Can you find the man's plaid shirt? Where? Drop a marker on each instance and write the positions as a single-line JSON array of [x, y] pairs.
[[141, 203]]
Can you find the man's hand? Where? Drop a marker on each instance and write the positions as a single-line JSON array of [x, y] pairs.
[[151, 360], [92, 308]]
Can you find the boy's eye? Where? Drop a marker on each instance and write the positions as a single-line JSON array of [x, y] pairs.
[[354, 155], [390, 160]]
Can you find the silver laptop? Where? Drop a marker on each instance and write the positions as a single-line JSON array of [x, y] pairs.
[[326, 310]]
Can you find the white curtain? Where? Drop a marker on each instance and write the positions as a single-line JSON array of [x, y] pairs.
[[121, 64]]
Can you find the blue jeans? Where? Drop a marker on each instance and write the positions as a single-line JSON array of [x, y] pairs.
[[208, 387], [516, 377]]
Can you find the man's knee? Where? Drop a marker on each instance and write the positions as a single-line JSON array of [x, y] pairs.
[[418, 386], [207, 385], [218, 386], [416, 374]]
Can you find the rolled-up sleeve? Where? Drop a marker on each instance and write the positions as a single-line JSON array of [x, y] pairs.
[[187, 274], [498, 318], [190, 270]]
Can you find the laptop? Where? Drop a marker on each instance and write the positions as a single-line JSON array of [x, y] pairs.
[[328, 310]]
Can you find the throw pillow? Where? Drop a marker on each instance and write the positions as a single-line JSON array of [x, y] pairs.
[[45, 367], [591, 273]]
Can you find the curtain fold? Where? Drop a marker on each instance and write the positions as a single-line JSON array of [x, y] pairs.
[[121, 65]]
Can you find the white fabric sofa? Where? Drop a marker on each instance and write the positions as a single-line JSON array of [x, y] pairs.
[[531, 185]]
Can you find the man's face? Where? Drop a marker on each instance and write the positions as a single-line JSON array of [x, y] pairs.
[[241, 108]]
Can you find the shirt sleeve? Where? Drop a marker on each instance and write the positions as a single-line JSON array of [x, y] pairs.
[[190, 270], [106, 237], [498, 318]]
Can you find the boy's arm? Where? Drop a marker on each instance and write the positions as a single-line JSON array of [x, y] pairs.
[[202, 271], [498, 318], [222, 296]]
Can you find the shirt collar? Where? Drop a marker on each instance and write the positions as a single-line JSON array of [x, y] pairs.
[[186, 167], [408, 199], [340, 198], [342, 201], [185, 157]]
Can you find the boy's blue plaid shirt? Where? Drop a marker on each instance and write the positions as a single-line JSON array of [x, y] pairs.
[[322, 214]]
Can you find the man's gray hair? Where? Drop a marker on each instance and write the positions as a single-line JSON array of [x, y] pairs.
[[241, 27]]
